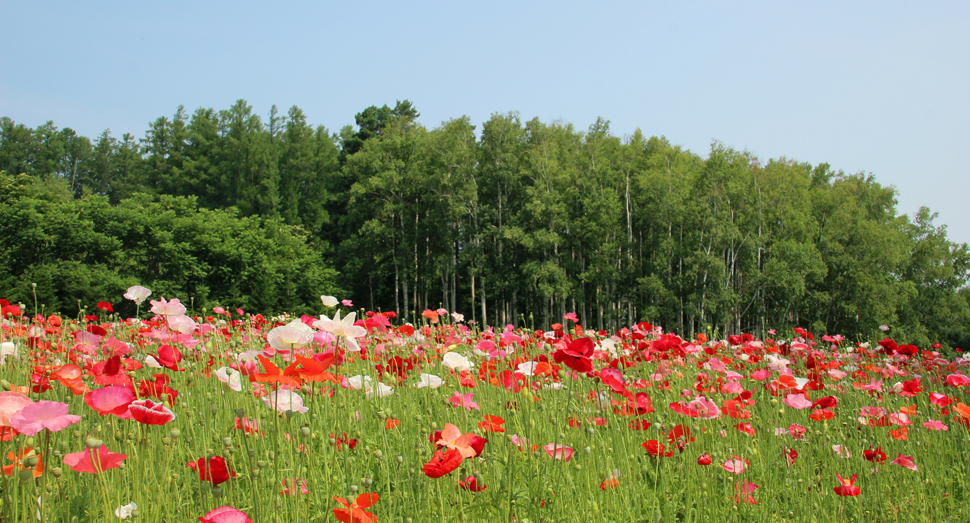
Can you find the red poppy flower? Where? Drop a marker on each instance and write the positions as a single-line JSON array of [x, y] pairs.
[[225, 514], [654, 448], [351, 443], [391, 423], [471, 483], [492, 424], [443, 462], [155, 389], [105, 306], [576, 355], [355, 513], [213, 470], [846, 486], [704, 459], [875, 456], [150, 413]]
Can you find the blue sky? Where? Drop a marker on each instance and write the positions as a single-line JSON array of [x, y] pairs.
[[879, 87]]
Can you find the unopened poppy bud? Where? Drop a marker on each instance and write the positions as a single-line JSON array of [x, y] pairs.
[[399, 459], [26, 475], [354, 489], [93, 443], [166, 440], [587, 450], [57, 472], [367, 482], [272, 455], [240, 413], [135, 513], [217, 492], [226, 441], [378, 454], [252, 454], [590, 431], [174, 433], [434, 425], [227, 453], [31, 461], [305, 431], [30, 442]]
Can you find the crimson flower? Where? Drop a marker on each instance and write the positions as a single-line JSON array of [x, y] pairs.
[[105, 306], [576, 355], [654, 448], [847, 486], [355, 513], [443, 462], [875, 456], [704, 459], [213, 470]]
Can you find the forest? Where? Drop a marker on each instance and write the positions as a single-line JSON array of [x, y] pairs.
[[516, 222]]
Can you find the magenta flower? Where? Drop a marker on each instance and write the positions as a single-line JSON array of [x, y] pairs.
[[50, 415], [464, 400]]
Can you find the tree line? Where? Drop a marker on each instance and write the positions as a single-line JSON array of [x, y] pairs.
[[517, 223]]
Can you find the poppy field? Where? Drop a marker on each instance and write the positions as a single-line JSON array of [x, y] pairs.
[[226, 416]]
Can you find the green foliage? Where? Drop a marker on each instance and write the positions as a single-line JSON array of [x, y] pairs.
[[527, 216], [88, 250]]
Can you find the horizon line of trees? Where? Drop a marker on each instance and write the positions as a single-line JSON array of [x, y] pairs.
[[525, 221]]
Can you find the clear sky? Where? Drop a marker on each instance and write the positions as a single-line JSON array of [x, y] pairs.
[[880, 87]]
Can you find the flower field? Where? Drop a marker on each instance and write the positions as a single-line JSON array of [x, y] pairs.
[[225, 416]]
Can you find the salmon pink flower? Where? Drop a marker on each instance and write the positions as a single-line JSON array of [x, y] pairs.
[[93, 461], [355, 513], [225, 514], [11, 403], [935, 424], [557, 451], [904, 461], [847, 486], [736, 465], [452, 438], [50, 415]]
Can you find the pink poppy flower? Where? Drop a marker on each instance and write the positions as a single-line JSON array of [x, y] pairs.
[[463, 400], [841, 451], [957, 380], [113, 399], [225, 514], [935, 424], [745, 489], [904, 461], [560, 452], [761, 374], [93, 462], [150, 413], [797, 401], [797, 431], [11, 403], [50, 415], [168, 308], [290, 486], [347, 303], [736, 465]]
